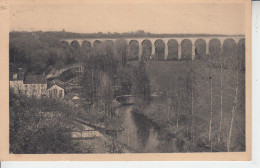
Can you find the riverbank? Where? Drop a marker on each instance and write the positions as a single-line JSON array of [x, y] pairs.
[[151, 136], [168, 131]]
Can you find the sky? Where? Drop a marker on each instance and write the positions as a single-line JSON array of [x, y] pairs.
[[226, 18]]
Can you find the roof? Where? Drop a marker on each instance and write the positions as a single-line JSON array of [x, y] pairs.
[[35, 79], [20, 76], [56, 82], [75, 98]]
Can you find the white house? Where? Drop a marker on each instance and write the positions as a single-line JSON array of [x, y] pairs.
[[35, 85], [16, 82], [56, 89], [31, 85]]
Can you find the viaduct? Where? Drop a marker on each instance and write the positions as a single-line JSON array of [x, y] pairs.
[[171, 47]]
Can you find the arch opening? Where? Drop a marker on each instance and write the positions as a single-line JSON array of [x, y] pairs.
[[108, 47], [64, 44], [86, 44], [215, 47], [241, 53], [159, 49], [109, 42], [147, 50], [172, 50], [186, 49], [134, 49], [200, 49], [96, 43], [75, 45], [229, 53]]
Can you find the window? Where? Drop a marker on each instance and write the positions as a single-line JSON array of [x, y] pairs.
[[55, 91], [60, 93]]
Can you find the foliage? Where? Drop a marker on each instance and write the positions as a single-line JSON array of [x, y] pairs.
[[141, 85], [39, 126], [170, 104], [114, 147]]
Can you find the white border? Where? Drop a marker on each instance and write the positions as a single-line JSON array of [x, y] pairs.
[[254, 163]]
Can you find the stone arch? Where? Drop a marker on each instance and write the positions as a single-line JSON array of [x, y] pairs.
[[86, 44], [159, 49], [229, 53], [186, 49], [75, 44], [96, 43], [215, 47], [229, 47], [229, 44], [146, 50], [109, 42], [64, 44], [200, 48], [109, 47], [241, 52], [133, 50], [172, 49]]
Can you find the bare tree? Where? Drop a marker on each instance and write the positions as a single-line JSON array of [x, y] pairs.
[[237, 65], [221, 64], [121, 52]]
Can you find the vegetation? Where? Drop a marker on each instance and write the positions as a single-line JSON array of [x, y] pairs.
[[41, 126], [188, 105], [200, 104]]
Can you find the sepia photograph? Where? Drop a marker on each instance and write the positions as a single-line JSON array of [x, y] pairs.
[[130, 77]]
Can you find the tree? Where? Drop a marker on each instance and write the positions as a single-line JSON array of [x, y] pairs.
[[192, 94], [105, 95], [32, 132], [141, 88], [121, 52], [99, 65], [237, 66]]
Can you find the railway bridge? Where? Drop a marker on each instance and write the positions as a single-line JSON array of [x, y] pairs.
[[176, 48]]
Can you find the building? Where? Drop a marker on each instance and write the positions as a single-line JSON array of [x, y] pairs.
[[35, 85], [31, 85], [16, 82], [56, 89]]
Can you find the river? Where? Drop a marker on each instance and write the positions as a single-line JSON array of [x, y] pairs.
[[141, 134]]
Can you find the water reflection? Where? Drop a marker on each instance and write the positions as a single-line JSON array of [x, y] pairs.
[[139, 132]]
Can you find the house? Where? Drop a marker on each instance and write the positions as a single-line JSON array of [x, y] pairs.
[[56, 89], [16, 82], [35, 85], [31, 85]]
